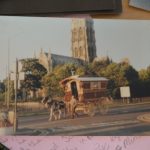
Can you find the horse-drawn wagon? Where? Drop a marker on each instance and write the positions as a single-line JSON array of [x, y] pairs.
[[90, 93]]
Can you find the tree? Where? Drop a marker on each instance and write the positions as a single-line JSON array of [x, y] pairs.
[[33, 75], [119, 74], [144, 76], [64, 71], [51, 84], [115, 73], [11, 89], [99, 65], [133, 80], [86, 70], [2, 87], [2, 91]]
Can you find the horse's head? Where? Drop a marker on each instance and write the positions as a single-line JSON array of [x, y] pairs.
[[49, 100], [45, 100]]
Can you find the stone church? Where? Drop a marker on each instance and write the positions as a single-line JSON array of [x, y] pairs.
[[83, 46]]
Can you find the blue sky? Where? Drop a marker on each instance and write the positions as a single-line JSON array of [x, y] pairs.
[[116, 38]]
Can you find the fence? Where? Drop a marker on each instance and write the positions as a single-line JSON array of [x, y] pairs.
[[133, 100], [30, 106]]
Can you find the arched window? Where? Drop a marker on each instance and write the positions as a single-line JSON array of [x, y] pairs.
[[76, 52], [80, 51], [81, 33], [74, 35]]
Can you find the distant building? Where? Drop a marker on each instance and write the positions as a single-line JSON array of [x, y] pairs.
[[125, 61], [102, 59], [83, 39]]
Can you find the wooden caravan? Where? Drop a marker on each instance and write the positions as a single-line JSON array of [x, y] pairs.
[[88, 91], [84, 88]]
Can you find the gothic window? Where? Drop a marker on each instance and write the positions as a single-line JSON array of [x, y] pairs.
[[73, 38], [81, 51], [80, 30], [74, 35], [76, 52], [81, 33]]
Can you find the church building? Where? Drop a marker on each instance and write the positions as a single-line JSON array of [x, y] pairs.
[[83, 46]]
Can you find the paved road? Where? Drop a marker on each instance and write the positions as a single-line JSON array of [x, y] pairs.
[[119, 121]]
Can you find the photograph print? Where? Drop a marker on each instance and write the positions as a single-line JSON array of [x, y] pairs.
[[74, 76]]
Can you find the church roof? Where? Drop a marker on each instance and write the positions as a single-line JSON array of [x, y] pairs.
[[57, 57], [60, 59]]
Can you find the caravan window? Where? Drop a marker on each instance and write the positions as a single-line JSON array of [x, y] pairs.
[[86, 85], [94, 85]]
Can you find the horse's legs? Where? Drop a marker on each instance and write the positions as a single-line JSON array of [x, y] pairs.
[[59, 114], [55, 114], [51, 114]]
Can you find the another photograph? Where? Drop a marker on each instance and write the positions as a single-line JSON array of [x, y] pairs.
[[74, 76]]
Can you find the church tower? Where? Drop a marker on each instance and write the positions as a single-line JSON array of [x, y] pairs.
[[83, 39]]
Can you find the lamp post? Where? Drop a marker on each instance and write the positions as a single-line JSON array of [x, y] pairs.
[[6, 87], [16, 88], [8, 72], [17, 76]]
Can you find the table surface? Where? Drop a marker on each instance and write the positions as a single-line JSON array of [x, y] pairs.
[[128, 12]]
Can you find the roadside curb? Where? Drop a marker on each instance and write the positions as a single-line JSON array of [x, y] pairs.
[[144, 118]]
